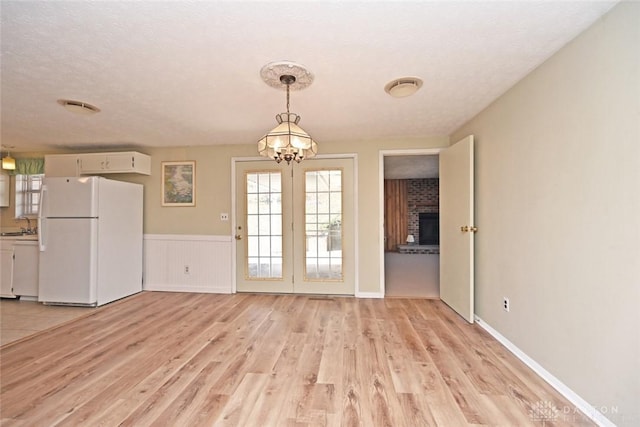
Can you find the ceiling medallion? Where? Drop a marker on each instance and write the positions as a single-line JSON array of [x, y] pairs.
[[287, 141], [272, 72]]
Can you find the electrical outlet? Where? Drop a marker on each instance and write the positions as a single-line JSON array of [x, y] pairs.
[[224, 217], [186, 269], [505, 304]]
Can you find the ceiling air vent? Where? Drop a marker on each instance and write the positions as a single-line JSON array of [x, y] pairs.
[[404, 86], [78, 107]]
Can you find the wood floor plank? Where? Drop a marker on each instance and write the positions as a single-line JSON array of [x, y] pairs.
[[332, 349], [354, 403], [377, 381], [238, 409], [399, 359], [415, 410], [269, 360], [465, 394], [269, 405]]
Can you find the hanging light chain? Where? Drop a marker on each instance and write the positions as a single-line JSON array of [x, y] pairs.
[[288, 98]]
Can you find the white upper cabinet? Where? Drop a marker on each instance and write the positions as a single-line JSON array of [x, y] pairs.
[[4, 190], [61, 165], [126, 162], [97, 164]]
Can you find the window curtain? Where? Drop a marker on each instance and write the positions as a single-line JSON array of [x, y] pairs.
[[28, 167]]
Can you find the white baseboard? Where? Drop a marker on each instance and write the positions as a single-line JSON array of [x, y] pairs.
[[581, 404], [196, 289], [369, 295]]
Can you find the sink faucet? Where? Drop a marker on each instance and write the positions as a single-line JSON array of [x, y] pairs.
[[29, 230]]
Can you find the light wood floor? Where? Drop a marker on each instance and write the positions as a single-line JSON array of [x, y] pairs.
[[20, 318], [174, 359]]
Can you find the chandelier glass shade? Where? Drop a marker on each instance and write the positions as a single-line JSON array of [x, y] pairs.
[[287, 141]]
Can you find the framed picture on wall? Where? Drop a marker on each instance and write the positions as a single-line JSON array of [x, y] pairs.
[[179, 183]]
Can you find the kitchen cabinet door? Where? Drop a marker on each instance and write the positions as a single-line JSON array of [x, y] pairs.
[[25, 269], [93, 163], [6, 276], [60, 165], [124, 162], [4, 190]]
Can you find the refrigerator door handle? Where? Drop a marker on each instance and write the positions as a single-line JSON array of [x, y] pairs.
[[42, 220]]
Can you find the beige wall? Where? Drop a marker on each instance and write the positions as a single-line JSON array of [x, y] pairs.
[[213, 193], [213, 183], [558, 208]]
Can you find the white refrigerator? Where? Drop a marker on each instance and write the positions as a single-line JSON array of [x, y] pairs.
[[90, 237]]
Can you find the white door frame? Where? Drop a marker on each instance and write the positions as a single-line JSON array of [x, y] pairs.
[[356, 221], [382, 155]]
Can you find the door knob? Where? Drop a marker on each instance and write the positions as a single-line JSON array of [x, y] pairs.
[[238, 237], [469, 228]]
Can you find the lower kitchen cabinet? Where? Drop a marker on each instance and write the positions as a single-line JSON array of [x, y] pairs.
[[25, 269], [6, 273], [19, 268]]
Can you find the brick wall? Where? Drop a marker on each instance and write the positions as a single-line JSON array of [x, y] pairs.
[[422, 197]]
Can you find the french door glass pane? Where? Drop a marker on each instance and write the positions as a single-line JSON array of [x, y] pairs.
[[264, 225], [323, 225]]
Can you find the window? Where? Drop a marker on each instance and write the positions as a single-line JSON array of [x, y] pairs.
[[28, 194], [323, 213], [264, 225]]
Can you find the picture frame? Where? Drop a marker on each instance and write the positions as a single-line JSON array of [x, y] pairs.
[[179, 183]]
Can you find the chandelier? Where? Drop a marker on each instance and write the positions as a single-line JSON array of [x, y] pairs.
[[8, 162], [287, 141]]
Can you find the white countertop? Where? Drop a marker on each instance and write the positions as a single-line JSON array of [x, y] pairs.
[[25, 237]]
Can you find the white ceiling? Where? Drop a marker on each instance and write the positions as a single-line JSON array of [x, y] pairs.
[[188, 73]]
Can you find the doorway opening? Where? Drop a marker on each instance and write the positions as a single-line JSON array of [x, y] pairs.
[[411, 259]]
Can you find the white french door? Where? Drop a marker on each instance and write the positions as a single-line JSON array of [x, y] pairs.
[[295, 227]]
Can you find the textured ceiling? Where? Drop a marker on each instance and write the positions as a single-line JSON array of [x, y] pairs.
[[188, 73]]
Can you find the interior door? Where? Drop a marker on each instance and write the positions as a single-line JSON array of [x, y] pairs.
[[457, 227], [295, 227]]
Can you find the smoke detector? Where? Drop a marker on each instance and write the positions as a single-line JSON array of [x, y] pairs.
[[78, 107], [404, 86]]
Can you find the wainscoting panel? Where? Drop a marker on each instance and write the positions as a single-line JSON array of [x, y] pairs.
[[187, 263]]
